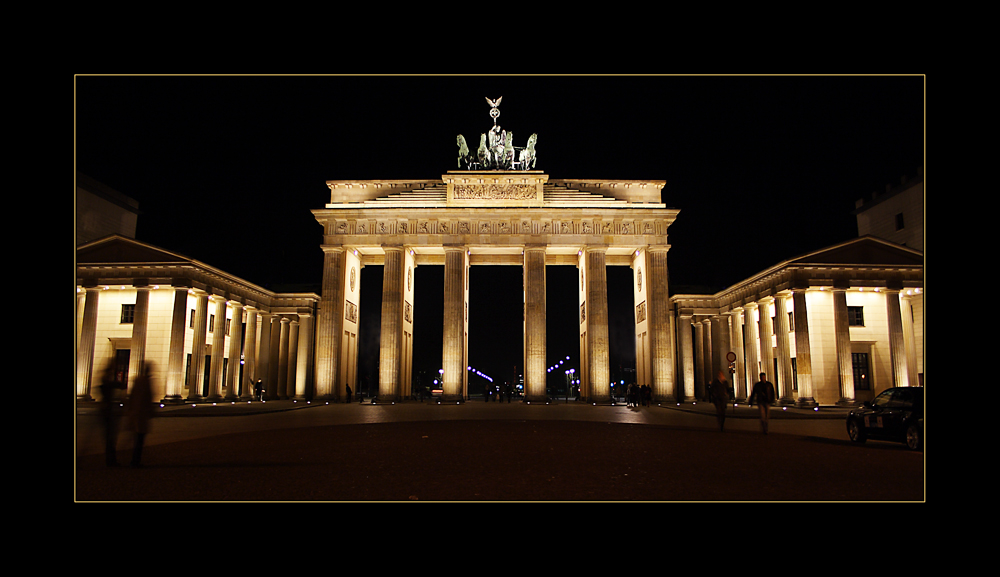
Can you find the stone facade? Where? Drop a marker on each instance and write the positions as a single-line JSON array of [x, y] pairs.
[[839, 325], [519, 218], [208, 335]]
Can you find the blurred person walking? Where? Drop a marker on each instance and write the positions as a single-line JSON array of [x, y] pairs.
[[763, 395], [720, 397], [139, 411], [110, 385]]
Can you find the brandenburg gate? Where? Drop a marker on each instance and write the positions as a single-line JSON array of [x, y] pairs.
[[495, 210]]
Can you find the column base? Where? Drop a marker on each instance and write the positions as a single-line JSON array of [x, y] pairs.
[[386, 399], [846, 403], [172, 400], [451, 399], [806, 403]]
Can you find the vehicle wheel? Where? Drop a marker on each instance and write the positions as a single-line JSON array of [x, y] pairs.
[[855, 432], [914, 440]]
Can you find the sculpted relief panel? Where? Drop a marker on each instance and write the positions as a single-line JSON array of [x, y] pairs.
[[495, 191], [495, 226]]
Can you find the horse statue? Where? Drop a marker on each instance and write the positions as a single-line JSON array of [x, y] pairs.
[[508, 150], [527, 156], [483, 154], [463, 151]]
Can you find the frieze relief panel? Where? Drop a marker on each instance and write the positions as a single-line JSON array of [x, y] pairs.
[[495, 191], [487, 227]]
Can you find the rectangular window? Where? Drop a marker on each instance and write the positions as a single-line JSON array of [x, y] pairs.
[[862, 375], [211, 323], [855, 316], [899, 221], [227, 326], [128, 314], [191, 324]]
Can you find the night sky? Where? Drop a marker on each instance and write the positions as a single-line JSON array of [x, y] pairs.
[[762, 168]]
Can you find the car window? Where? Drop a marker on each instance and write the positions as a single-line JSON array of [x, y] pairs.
[[883, 399], [902, 398]]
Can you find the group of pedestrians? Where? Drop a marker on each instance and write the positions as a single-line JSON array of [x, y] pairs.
[[636, 396], [137, 414], [762, 393], [497, 393]]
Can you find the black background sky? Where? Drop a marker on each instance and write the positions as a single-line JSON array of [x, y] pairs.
[[762, 168]]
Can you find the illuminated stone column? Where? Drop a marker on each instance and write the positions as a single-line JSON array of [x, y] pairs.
[[235, 340], [687, 355], [250, 355], [842, 330], [897, 347], [534, 324], [175, 360], [200, 335], [909, 337], [766, 341], [88, 340], [390, 341], [699, 360], [281, 390], [784, 382], [706, 345], [263, 372], [736, 345], [598, 347], [137, 349], [274, 359], [330, 322], [218, 350], [661, 341], [751, 343], [292, 361], [456, 270], [803, 357], [304, 357], [720, 346]]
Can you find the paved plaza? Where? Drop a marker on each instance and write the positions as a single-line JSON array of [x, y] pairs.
[[424, 452]]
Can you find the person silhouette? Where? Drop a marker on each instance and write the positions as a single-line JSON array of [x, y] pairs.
[[763, 394], [720, 397], [140, 410]]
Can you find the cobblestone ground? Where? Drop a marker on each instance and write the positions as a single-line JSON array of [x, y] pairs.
[[507, 460]]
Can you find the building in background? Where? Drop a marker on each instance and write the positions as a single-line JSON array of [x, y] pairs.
[[102, 211], [897, 215]]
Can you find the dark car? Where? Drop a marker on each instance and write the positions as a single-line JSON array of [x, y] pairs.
[[896, 414]]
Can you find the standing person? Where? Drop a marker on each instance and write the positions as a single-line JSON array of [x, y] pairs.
[[110, 385], [348, 394], [763, 394], [140, 411], [720, 397], [258, 390]]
